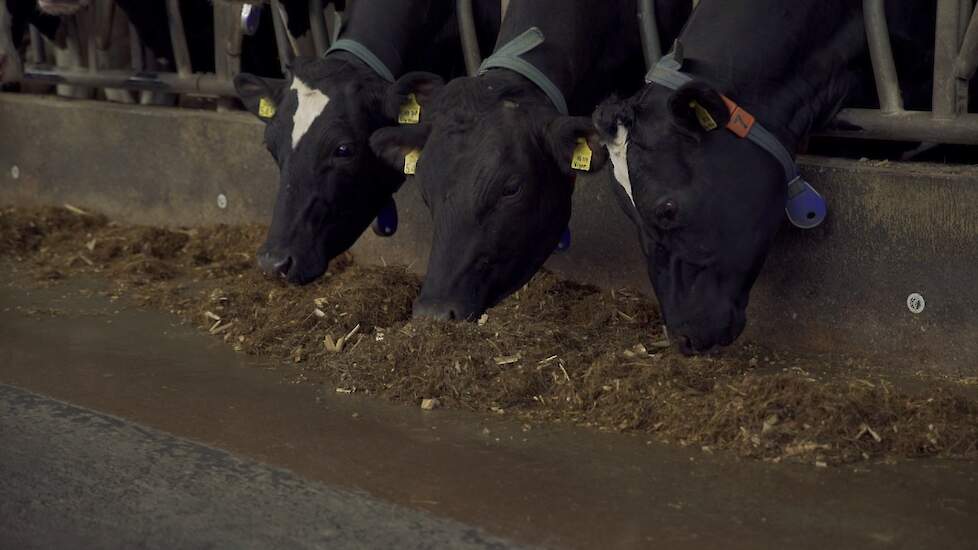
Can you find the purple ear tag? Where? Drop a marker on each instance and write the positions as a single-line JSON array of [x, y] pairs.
[[386, 223], [565, 241], [805, 208]]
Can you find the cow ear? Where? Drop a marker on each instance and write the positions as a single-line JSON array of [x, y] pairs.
[[575, 145], [610, 115], [423, 86], [697, 108], [259, 96], [394, 144]]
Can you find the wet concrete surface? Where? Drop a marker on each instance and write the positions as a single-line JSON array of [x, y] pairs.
[[74, 478], [553, 486]]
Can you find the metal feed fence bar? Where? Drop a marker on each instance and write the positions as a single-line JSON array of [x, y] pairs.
[[956, 51], [956, 58], [228, 37], [881, 51], [967, 61], [650, 32], [207, 84], [178, 38], [470, 40]]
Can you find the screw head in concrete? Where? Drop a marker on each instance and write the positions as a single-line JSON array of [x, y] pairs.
[[915, 303], [15, 172], [222, 201]]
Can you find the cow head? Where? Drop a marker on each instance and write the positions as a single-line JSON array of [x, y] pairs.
[[318, 126], [495, 170], [708, 205], [62, 7]]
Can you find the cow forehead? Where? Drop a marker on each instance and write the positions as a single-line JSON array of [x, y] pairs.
[[311, 104]]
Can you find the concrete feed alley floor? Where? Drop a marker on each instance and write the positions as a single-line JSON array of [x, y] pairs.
[[119, 427]]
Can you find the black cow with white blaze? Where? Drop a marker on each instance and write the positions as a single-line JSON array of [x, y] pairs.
[[703, 155], [495, 156], [318, 126]]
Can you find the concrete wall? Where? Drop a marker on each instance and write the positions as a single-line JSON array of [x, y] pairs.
[[893, 229]]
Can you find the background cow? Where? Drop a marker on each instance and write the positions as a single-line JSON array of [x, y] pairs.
[[707, 203], [331, 184], [496, 153]]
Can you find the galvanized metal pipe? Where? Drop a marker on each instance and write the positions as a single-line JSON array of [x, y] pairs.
[[235, 37], [73, 56], [651, 41], [178, 38], [104, 14], [281, 39], [135, 49], [884, 68], [37, 45], [917, 126], [967, 61], [470, 39], [223, 14], [205, 84], [947, 92], [317, 24]]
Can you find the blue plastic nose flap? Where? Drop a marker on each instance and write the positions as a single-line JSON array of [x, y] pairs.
[[386, 223], [806, 208], [565, 241]]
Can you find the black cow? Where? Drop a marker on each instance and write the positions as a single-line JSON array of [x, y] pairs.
[[14, 20], [707, 202], [496, 152], [332, 186]]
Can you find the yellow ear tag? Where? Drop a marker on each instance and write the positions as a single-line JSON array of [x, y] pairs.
[[582, 156], [410, 111], [266, 109], [411, 162], [706, 121]]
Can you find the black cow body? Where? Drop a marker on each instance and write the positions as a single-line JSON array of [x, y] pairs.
[[332, 186], [13, 31], [495, 162], [149, 17], [708, 203]]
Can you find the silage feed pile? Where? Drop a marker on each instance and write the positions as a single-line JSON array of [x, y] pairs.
[[555, 351]]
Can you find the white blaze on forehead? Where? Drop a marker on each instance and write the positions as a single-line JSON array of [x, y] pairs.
[[312, 102], [618, 151]]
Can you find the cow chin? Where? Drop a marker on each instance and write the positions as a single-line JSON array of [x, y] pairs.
[[703, 334], [700, 322], [297, 269]]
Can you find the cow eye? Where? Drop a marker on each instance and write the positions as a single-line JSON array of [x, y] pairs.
[[666, 213], [343, 151], [511, 188]]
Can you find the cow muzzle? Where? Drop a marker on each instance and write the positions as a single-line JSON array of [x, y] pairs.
[[275, 265], [441, 310]]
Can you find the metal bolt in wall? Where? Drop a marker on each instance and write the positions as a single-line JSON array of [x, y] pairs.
[[915, 303]]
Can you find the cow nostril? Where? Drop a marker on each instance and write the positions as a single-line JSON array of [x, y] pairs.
[[283, 267], [274, 265]]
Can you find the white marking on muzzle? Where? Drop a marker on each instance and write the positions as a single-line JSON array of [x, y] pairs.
[[312, 103], [618, 151]]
